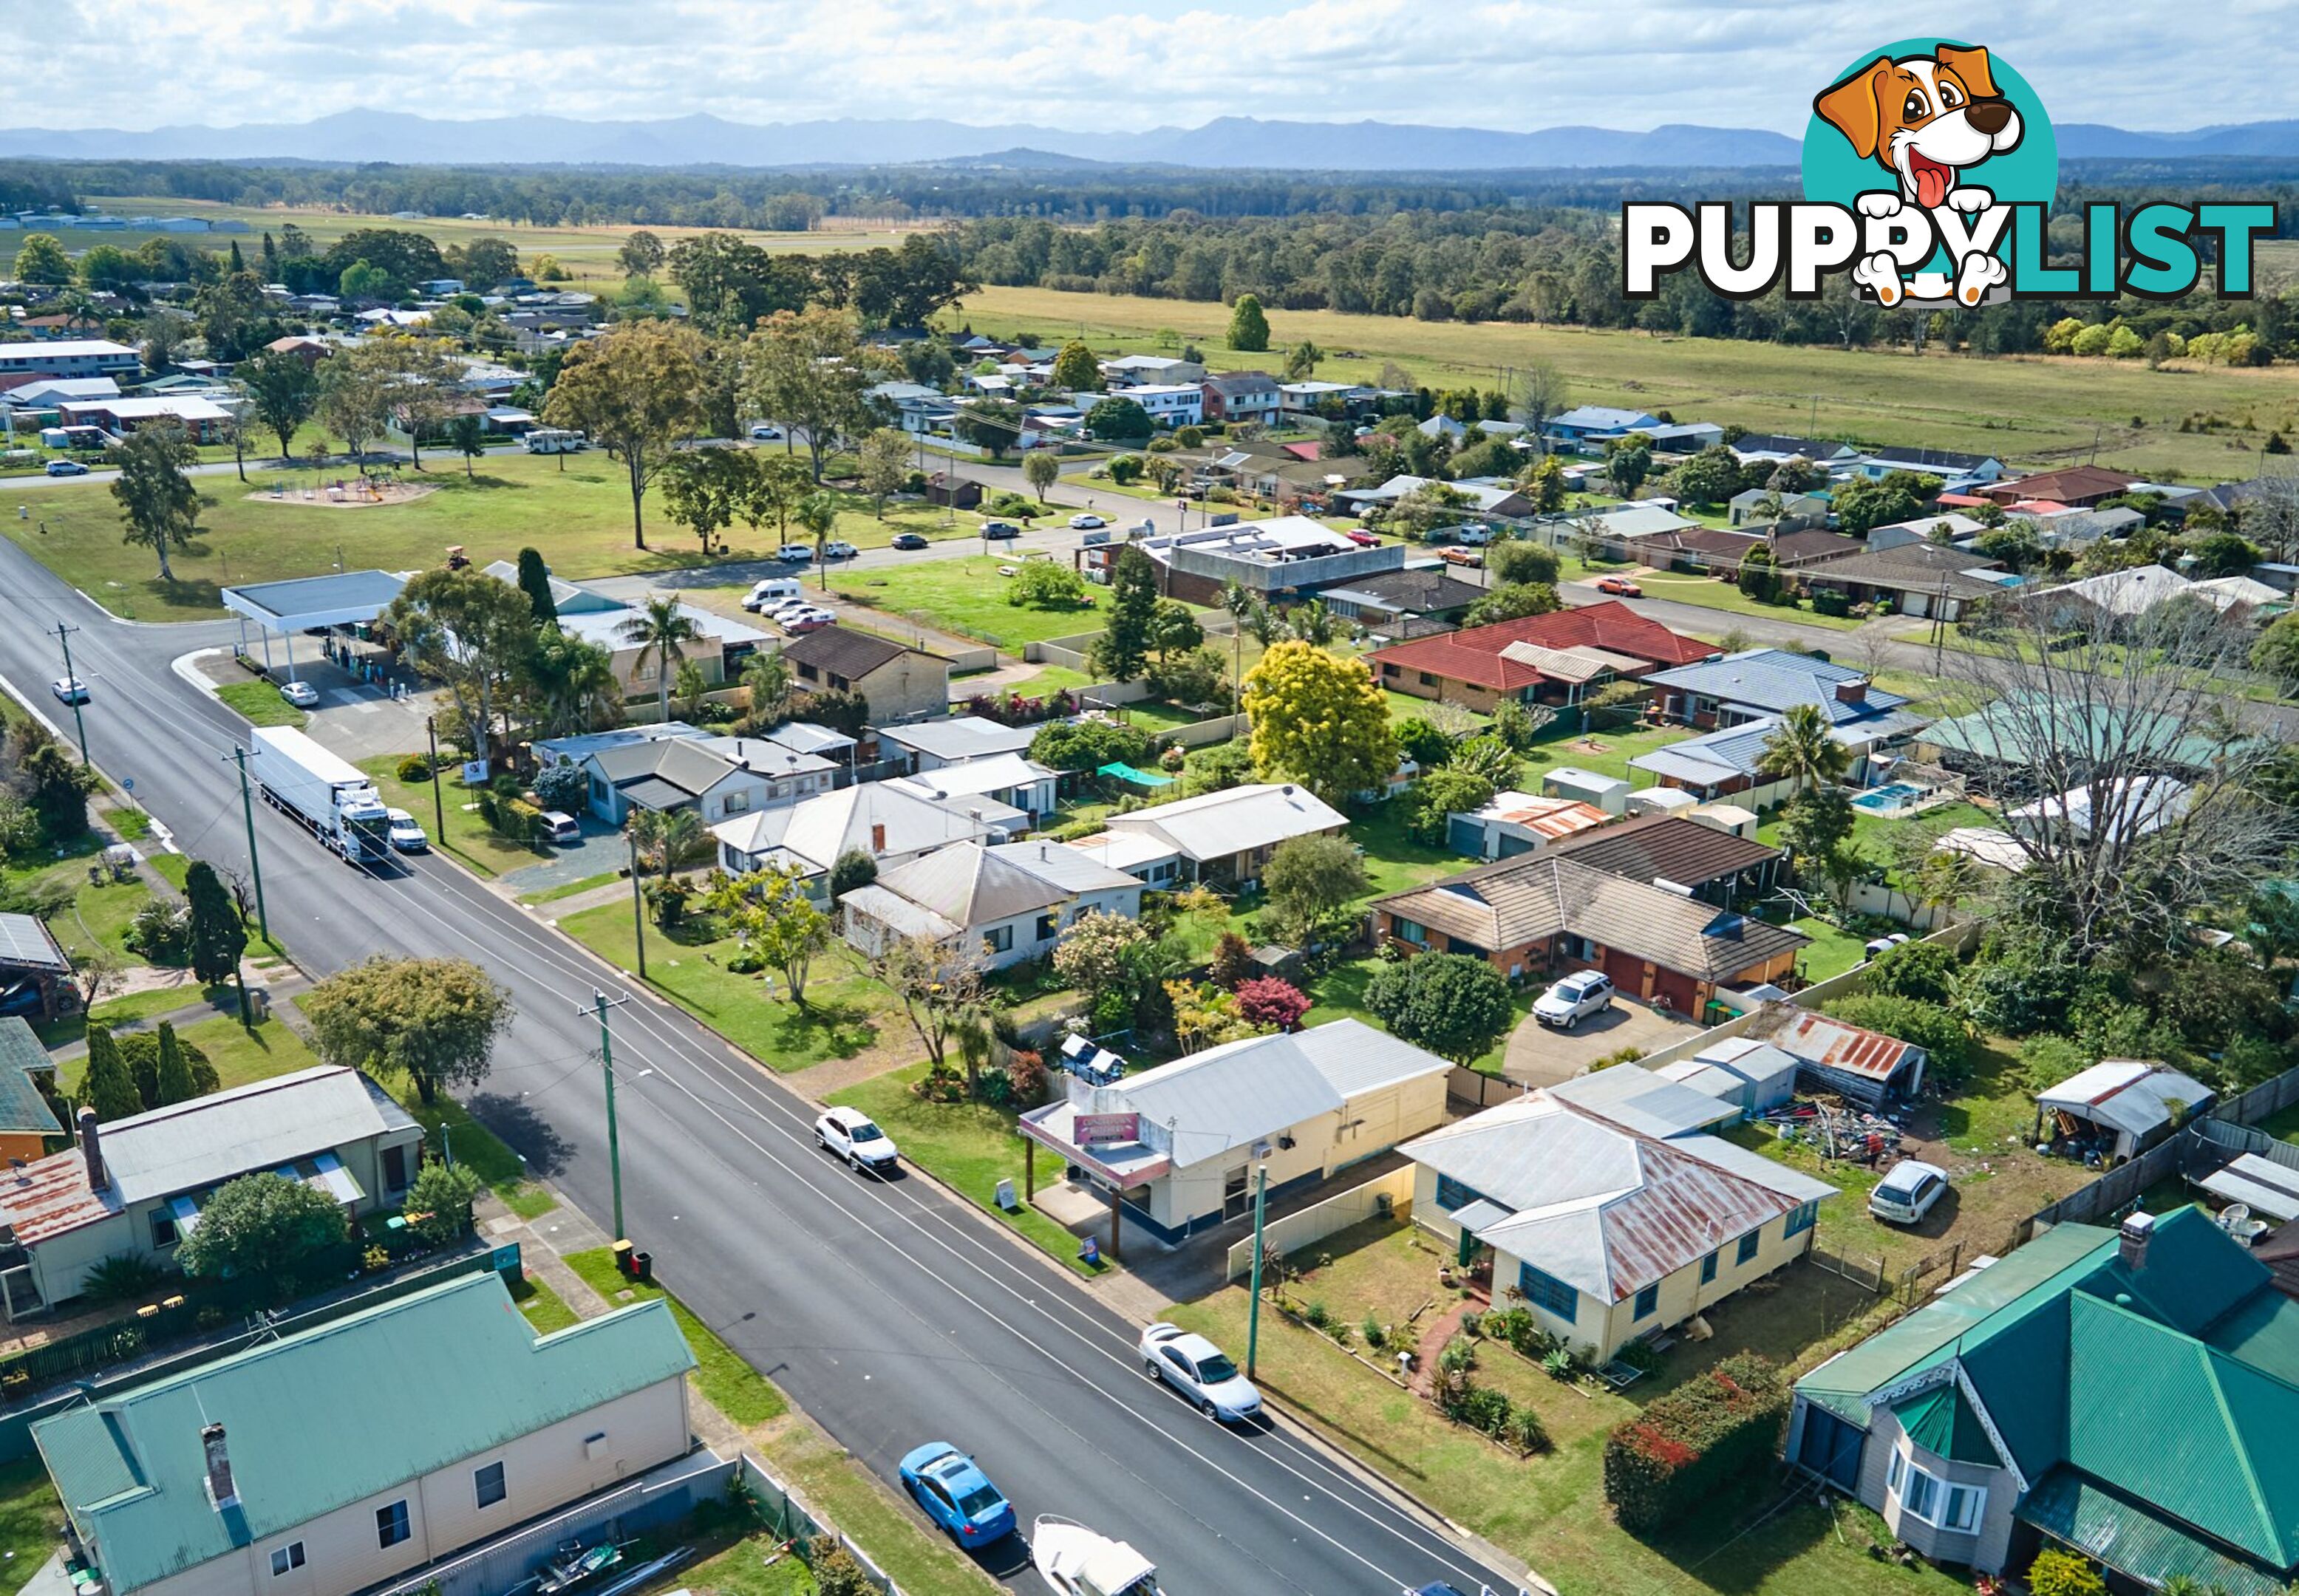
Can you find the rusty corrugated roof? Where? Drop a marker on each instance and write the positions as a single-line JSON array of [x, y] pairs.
[[1817, 1039]]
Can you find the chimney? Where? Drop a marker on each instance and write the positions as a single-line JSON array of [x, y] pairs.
[[98, 1180], [2132, 1249], [878, 838], [1852, 692], [221, 1489]]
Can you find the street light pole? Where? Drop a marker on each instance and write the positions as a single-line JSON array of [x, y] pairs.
[[1253, 1313], [599, 1004], [71, 687], [438, 805], [638, 902], [254, 864]]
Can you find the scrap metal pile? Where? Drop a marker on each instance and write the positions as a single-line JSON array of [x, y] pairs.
[[1836, 1128]]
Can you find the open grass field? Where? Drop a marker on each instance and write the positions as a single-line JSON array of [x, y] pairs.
[[967, 597], [588, 253], [580, 519], [2025, 408]]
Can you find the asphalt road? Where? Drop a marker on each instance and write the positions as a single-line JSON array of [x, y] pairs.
[[886, 1311]]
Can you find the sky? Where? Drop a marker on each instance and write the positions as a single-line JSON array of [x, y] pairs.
[[1120, 65]]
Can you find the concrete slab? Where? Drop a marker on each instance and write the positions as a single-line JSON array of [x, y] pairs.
[[1539, 1057]]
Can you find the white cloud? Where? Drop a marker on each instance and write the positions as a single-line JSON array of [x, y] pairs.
[[1119, 65]]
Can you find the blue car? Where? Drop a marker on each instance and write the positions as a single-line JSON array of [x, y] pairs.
[[956, 1495]]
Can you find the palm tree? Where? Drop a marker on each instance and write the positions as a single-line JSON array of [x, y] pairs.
[[769, 678], [818, 514], [662, 629], [1240, 601], [663, 837], [1800, 750]]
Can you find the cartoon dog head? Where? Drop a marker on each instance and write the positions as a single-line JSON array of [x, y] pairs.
[[1923, 118]]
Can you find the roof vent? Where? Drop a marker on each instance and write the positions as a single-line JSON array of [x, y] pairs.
[[1288, 789]]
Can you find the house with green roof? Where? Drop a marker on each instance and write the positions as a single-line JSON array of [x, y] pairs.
[[325, 1462], [2131, 1396]]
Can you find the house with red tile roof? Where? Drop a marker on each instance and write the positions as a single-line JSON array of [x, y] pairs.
[[1554, 658], [2082, 487]]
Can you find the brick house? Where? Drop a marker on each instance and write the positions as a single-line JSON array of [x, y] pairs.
[[1541, 914], [1552, 659]]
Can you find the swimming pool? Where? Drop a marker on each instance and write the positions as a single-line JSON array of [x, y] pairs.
[[1888, 799]]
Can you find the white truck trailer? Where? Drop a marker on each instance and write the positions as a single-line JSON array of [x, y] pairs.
[[324, 790]]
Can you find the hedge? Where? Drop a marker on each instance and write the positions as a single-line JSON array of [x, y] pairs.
[[1696, 1444]]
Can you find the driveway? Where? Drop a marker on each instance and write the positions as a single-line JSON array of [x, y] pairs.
[[1539, 1057]]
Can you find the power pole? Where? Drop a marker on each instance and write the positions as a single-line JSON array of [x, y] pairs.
[[255, 864], [71, 687], [638, 902], [438, 804], [1253, 1313], [599, 1005]]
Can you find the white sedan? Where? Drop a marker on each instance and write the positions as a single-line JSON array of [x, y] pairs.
[[302, 694], [72, 689], [1087, 523], [795, 554], [1200, 1371], [851, 1135]]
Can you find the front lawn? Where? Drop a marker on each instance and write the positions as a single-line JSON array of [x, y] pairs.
[[844, 1011], [1547, 1509], [1726, 596], [968, 1146], [744, 1395], [468, 836], [241, 1056]]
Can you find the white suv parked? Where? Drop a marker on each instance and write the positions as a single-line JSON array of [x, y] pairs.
[[1571, 1000], [850, 1133]]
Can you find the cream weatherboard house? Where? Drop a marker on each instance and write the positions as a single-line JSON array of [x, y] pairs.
[[1608, 1233], [327, 1461], [136, 1186]]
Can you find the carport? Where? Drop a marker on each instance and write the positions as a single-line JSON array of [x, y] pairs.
[[309, 604]]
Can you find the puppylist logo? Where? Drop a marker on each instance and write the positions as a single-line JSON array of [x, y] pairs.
[[1930, 169]]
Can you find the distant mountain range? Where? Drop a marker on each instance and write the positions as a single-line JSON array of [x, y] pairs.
[[1230, 142]]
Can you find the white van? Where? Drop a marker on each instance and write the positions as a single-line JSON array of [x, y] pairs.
[[773, 591]]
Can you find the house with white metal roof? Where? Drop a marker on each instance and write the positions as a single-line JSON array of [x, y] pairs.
[[932, 744], [878, 818], [1007, 903], [137, 1185], [1175, 1148], [1229, 835], [1006, 780], [1605, 1231]]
